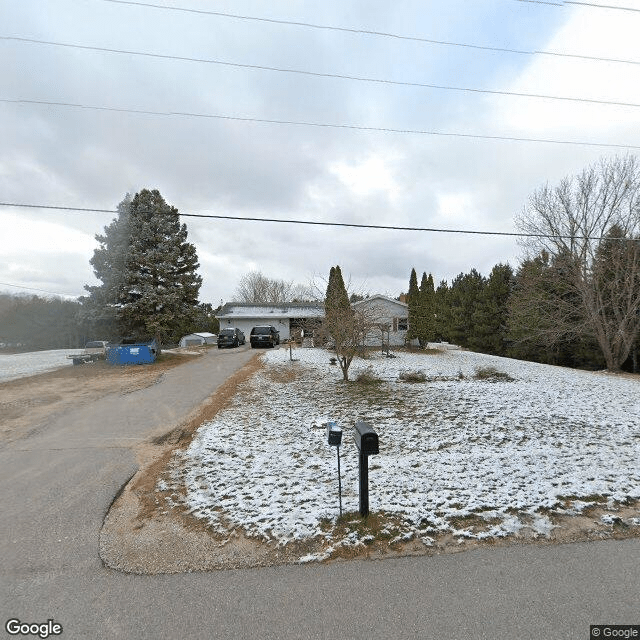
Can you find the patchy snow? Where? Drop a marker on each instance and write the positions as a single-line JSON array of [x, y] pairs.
[[22, 365], [454, 450]]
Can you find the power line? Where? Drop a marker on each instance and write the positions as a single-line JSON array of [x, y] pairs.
[[321, 125], [53, 293], [564, 3], [601, 6], [382, 34], [352, 225], [318, 74]]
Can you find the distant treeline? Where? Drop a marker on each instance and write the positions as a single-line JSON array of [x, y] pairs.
[[33, 323]]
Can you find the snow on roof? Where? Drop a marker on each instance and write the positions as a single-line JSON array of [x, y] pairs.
[[379, 296], [203, 334], [255, 310]]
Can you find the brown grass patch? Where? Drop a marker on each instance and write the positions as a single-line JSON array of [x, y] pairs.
[[284, 374]]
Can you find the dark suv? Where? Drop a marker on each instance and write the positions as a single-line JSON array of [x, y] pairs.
[[230, 337], [264, 336]]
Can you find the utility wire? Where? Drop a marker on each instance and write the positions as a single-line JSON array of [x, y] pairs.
[[53, 293], [322, 125], [318, 74], [601, 6], [317, 223], [564, 3], [382, 34]]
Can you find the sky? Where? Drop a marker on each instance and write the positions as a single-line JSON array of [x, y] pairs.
[[237, 166]]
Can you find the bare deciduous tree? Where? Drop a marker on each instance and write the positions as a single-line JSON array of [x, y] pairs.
[[588, 231], [256, 287]]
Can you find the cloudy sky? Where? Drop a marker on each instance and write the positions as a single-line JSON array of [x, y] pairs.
[[236, 166]]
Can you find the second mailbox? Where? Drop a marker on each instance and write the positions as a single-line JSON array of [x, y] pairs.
[[366, 439]]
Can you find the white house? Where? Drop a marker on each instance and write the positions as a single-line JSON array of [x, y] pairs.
[[196, 339], [288, 318], [388, 317]]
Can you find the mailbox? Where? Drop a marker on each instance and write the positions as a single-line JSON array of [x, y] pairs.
[[334, 434], [366, 439]]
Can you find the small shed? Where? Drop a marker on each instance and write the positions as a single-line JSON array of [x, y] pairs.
[[198, 339], [138, 353]]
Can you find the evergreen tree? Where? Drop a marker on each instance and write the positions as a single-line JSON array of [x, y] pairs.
[[441, 312], [413, 301], [100, 307], [542, 318], [426, 322], [341, 322], [148, 269], [337, 299], [490, 317], [464, 297]]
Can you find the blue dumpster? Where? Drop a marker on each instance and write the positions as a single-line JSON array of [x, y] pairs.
[[138, 353]]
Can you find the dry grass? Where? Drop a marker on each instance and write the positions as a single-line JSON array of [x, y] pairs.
[[413, 376], [491, 374]]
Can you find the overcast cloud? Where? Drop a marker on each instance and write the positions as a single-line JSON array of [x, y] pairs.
[[86, 158]]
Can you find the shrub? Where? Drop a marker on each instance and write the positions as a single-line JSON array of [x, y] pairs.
[[413, 376], [491, 374], [368, 377]]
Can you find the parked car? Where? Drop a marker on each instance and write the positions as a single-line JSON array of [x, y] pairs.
[[230, 337], [93, 351], [264, 336]]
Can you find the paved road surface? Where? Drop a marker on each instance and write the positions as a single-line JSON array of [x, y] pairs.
[[57, 484]]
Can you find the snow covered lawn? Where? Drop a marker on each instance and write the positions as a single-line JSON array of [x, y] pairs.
[[22, 365], [460, 455]]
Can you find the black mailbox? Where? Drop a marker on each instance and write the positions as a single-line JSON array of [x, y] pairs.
[[334, 434], [366, 439]]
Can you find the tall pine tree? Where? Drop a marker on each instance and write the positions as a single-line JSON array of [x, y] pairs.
[[413, 302], [441, 311], [340, 321], [148, 269], [464, 297], [100, 307], [490, 316], [426, 321]]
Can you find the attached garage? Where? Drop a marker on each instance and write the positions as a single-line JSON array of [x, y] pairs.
[[288, 318]]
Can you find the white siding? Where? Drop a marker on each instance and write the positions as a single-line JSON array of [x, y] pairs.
[[385, 311], [246, 324]]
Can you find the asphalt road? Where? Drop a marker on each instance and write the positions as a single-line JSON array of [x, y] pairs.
[[57, 485]]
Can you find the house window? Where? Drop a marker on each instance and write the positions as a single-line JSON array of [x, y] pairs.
[[403, 324]]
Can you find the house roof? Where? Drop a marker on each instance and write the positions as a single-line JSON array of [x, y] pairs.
[[266, 310], [379, 296]]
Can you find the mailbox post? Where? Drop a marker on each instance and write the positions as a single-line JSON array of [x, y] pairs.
[[334, 438], [367, 442]]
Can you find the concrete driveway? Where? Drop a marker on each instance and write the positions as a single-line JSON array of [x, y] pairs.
[[57, 484]]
